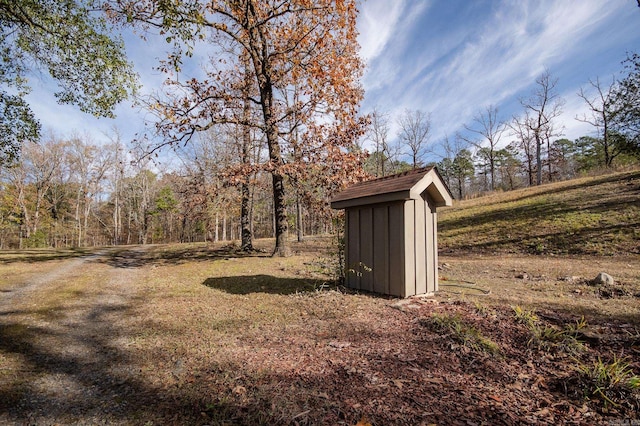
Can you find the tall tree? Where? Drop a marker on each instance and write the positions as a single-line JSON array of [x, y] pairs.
[[526, 143], [457, 166], [310, 43], [487, 130], [415, 127], [541, 108], [384, 155], [72, 43], [626, 120], [462, 170], [602, 115], [508, 166]]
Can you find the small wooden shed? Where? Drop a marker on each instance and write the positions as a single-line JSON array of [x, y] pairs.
[[391, 244]]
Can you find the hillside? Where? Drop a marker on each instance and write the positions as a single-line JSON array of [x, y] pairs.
[[593, 215]]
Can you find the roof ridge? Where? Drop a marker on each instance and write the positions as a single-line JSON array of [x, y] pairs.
[[398, 175]]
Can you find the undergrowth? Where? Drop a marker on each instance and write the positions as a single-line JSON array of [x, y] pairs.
[[613, 382], [463, 333], [550, 338]]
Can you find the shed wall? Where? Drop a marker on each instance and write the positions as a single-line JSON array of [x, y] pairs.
[[374, 236]]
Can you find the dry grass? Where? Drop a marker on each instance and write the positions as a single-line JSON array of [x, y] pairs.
[[595, 216], [558, 283]]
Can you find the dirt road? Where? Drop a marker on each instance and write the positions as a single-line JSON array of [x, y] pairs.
[[60, 331]]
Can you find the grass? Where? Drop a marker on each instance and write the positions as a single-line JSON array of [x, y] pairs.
[[550, 338], [609, 381], [595, 216], [463, 333], [224, 338]]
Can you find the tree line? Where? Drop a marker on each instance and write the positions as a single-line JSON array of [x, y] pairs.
[[494, 153], [74, 192]]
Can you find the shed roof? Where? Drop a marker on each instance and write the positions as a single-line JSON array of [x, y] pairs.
[[402, 186]]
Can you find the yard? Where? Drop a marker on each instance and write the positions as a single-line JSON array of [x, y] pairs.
[[202, 334]]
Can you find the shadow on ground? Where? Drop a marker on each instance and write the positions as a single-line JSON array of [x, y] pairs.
[[100, 381], [43, 255], [525, 225], [141, 256], [249, 284]]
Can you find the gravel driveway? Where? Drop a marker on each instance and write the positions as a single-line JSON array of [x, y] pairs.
[[62, 355]]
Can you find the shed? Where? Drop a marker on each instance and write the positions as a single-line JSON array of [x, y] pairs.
[[391, 244]]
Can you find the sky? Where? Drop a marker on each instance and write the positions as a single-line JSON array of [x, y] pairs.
[[449, 58]]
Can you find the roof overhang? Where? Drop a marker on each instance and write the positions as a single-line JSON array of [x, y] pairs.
[[427, 181]]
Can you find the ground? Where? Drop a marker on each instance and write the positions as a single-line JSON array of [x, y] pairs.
[[203, 334]]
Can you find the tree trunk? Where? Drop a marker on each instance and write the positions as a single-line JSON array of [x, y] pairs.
[[245, 220], [245, 211], [275, 157], [224, 227], [299, 219], [538, 160]]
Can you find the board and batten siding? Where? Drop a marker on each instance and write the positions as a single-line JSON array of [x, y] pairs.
[[375, 248], [392, 246]]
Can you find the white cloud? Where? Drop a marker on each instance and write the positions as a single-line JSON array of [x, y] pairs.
[[378, 22]]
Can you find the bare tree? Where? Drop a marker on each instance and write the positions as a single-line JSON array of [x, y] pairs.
[[526, 142], [543, 106], [90, 165], [379, 135], [489, 128], [32, 178], [115, 178], [601, 116], [415, 127]]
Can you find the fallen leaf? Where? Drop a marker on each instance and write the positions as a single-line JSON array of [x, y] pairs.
[[363, 422]]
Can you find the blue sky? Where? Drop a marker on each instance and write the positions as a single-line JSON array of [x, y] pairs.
[[451, 58], [454, 58]]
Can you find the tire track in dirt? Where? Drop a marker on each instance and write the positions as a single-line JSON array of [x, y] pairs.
[[74, 362], [24, 290]]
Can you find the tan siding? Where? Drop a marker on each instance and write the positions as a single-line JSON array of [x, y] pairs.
[[434, 217], [421, 247], [381, 249], [396, 250], [431, 269], [353, 248], [391, 230], [409, 249], [366, 247]]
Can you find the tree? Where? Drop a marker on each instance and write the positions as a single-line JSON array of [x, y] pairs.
[[626, 104], [457, 165], [462, 169], [526, 142], [89, 165], [415, 127], [165, 207], [378, 133], [72, 44], [508, 166], [563, 156], [310, 44], [541, 108], [602, 116], [490, 128]]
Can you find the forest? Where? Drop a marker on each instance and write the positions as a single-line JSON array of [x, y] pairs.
[[259, 141]]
